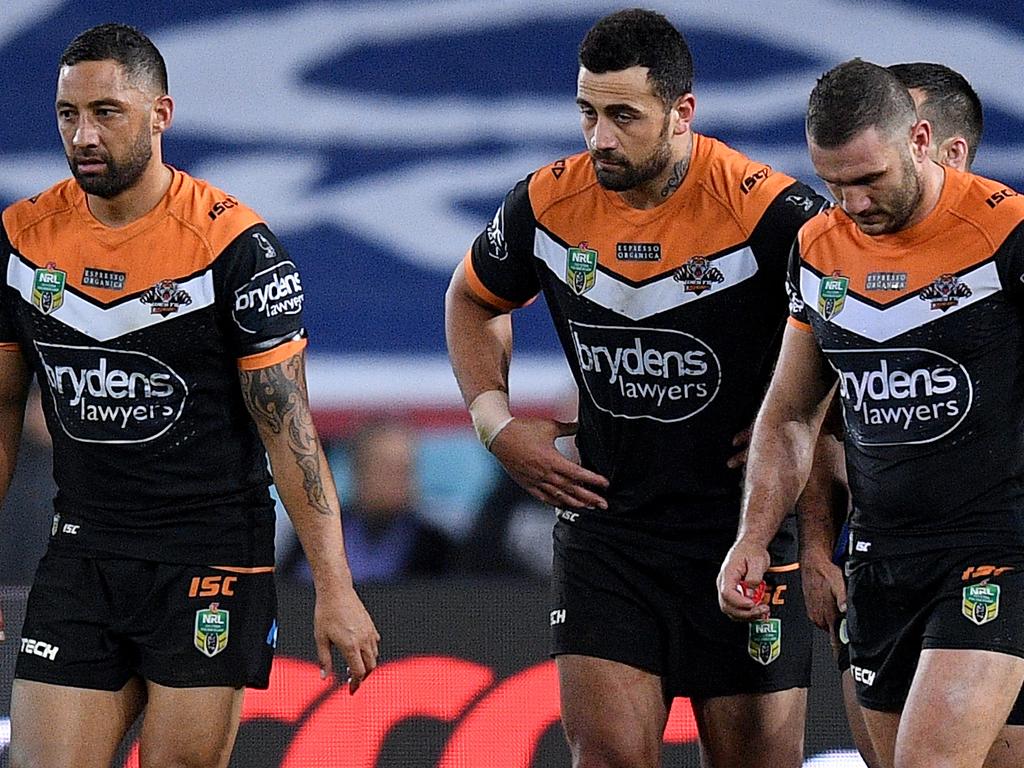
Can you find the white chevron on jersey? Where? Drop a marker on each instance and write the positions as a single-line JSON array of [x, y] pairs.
[[105, 323], [887, 322], [637, 302]]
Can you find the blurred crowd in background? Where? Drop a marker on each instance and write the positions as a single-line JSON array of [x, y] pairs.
[[416, 504]]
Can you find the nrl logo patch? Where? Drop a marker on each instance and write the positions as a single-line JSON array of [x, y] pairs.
[[945, 292], [581, 268], [764, 640], [832, 295], [698, 275], [211, 636], [48, 288], [981, 603], [165, 298]]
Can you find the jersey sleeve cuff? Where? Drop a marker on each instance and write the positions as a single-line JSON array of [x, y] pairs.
[[273, 356], [482, 291], [9, 346], [800, 325]]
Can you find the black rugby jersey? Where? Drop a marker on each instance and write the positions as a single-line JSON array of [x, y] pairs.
[[136, 335], [925, 331], [668, 317]]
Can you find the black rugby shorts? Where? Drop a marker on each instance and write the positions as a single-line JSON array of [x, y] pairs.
[[95, 623], [899, 604], [645, 604]]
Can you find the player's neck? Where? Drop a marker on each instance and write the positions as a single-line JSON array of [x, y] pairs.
[[661, 188], [932, 180], [136, 201]]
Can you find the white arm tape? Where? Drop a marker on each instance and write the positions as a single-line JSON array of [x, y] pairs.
[[490, 414]]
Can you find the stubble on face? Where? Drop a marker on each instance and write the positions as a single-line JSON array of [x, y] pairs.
[[892, 211], [628, 175], [119, 174]]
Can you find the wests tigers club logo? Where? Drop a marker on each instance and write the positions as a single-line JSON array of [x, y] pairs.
[[698, 275], [165, 298], [945, 292]]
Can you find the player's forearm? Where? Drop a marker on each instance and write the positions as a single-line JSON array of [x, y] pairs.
[[277, 400], [479, 341], [822, 506], [777, 469]]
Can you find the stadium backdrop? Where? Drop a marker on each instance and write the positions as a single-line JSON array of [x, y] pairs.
[[377, 138]]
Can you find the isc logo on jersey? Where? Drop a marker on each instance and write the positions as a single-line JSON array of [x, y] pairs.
[[901, 396], [111, 395], [274, 292], [648, 373]]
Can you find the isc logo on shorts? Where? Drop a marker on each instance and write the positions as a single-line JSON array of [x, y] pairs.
[[39, 648]]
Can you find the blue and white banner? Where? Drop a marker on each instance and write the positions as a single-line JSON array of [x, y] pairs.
[[378, 138]]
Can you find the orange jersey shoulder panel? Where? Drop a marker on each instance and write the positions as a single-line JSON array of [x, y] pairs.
[[181, 236], [973, 217], [745, 187], [715, 209]]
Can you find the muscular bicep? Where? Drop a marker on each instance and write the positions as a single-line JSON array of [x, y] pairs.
[[278, 401]]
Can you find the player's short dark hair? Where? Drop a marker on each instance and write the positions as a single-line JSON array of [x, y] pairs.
[[951, 105], [855, 96], [640, 38], [127, 46]]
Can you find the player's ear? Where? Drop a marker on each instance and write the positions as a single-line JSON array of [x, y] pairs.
[[162, 113], [682, 113], [954, 153], [921, 139]]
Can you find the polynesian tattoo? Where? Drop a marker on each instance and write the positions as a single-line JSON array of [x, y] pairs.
[[678, 174], [276, 397]]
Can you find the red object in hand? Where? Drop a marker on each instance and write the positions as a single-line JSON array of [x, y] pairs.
[[755, 593]]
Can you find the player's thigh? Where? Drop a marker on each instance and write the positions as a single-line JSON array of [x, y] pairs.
[[882, 727], [613, 714], [752, 729], [956, 686], [858, 726], [193, 727], [57, 726]]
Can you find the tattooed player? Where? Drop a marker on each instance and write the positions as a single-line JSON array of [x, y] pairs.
[[139, 297]]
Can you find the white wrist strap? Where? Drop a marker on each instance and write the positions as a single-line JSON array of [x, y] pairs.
[[490, 414]]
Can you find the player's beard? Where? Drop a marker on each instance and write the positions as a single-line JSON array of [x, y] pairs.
[[900, 207], [119, 174], [632, 175]]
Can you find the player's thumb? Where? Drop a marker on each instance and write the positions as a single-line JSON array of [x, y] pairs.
[[839, 591]]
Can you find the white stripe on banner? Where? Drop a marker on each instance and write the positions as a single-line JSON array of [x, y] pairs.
[[426, 381]]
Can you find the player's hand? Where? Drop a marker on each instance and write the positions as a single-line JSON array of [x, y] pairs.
[[526, 448], [741, 442], [824, 590], [341, 620], [741, 573]]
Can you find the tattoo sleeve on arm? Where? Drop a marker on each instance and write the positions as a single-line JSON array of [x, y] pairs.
[[276, 397]]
